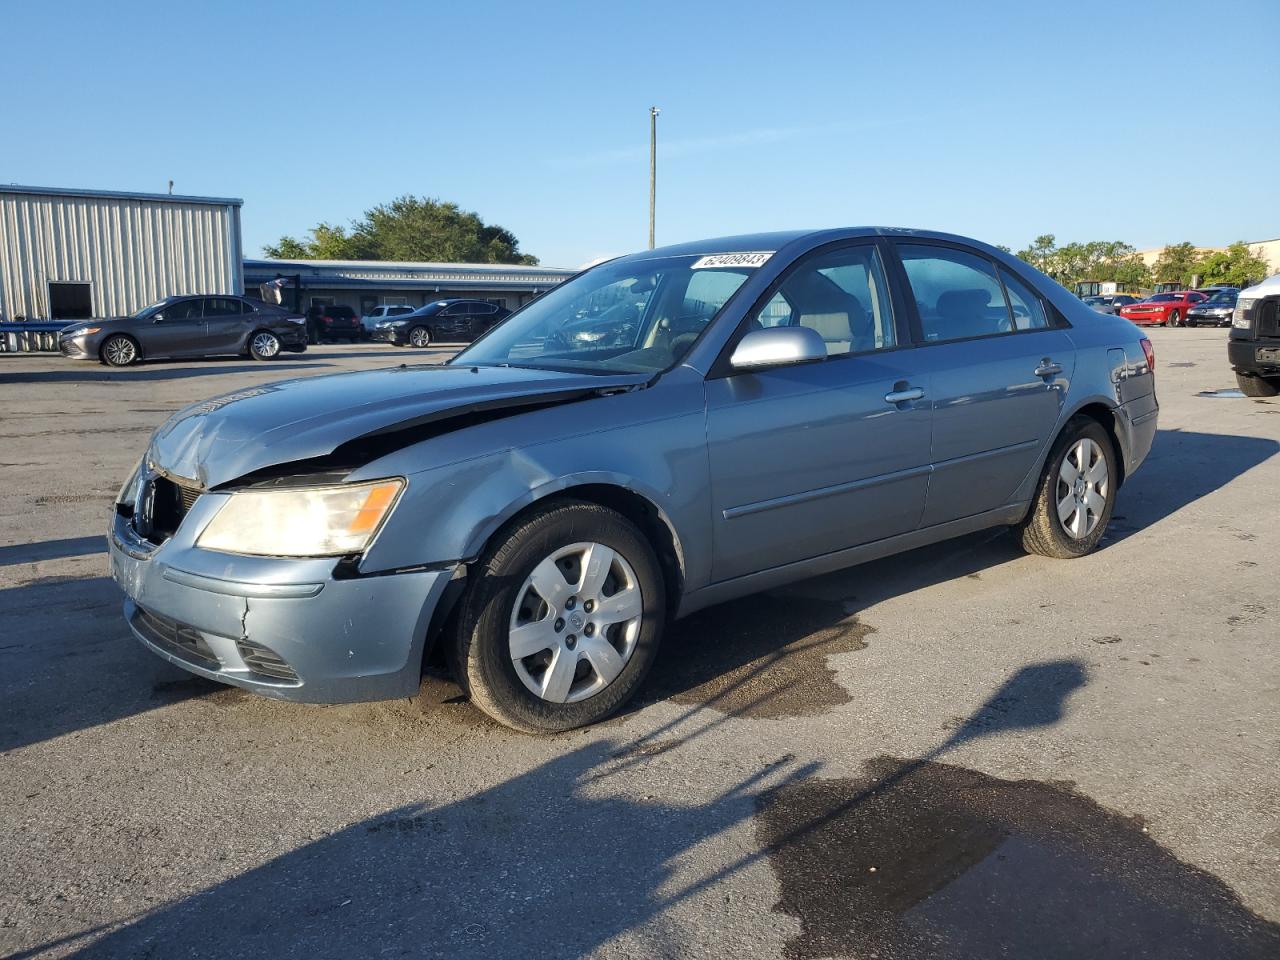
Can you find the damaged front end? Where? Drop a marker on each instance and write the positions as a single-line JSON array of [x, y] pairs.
[[220, 545]]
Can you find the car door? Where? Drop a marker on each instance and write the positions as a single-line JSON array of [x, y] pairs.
[[226, 324], [813, 458], [481, 318], [998, 365], [177, 330], [454, 322]]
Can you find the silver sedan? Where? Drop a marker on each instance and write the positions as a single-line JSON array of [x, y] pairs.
[[666, 431]]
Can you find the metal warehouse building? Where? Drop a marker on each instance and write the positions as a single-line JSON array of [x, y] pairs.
[[71, 254], [365, 284]]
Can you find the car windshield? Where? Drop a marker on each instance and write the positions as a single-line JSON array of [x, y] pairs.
[[1222, 299], [632, 316], [1094, 301]]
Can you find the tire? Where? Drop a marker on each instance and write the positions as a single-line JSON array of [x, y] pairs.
[[1045, 529], [1175, 319], [501, 593], [419, 337], [119, 351], [264, 345], [1258, 387]]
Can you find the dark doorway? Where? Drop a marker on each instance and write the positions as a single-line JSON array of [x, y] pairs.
[[70, 301]]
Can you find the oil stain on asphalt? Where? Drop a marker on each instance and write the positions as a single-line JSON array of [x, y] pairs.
[[763, 657], [921, 858]]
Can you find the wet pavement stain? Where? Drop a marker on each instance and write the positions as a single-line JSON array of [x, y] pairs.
[[924, 859], [764, 657]]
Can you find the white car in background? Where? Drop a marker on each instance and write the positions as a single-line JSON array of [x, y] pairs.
[[370, 320]]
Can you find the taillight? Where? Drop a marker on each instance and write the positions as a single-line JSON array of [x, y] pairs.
[[1150, 351], [327, 320]]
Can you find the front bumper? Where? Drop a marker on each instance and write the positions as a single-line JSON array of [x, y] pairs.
[[1218, 320], [78, 348], [1145, 319], [1254, 357], [387, 335], [283, 628]]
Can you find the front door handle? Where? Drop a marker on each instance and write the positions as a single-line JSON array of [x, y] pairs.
[[1048, 368], [901, 396]]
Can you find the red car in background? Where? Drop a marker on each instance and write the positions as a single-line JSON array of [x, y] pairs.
[[1167, 309]]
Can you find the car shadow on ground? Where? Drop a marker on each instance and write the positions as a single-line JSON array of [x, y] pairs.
[[52, 550], [148, 373], [68, 662], [1183, 467], [914, 857]]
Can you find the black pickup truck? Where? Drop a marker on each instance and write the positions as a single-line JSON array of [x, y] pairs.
[[1254, 344]]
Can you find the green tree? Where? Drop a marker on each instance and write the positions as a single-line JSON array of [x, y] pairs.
[[1176, 264], [408, 228], [1237, 266], [1041, 254]]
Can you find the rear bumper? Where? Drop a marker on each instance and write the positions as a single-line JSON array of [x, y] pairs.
[[291, 633], [1138, 418], [1254, 357]]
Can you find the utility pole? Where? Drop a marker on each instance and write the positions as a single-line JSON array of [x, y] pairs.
[[653, 167]]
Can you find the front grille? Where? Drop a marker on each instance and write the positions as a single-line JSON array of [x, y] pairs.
[[1269, 317], [264, 661], [177, 638], [170, 503]]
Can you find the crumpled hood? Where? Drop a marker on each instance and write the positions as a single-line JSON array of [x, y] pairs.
[[224, 438]]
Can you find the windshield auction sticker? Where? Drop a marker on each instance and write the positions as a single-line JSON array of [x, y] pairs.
[[751, 260]]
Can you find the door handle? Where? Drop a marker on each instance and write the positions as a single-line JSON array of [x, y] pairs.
[[901, 396], [1048, 368]]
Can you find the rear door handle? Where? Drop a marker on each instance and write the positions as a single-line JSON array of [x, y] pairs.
[[1048, 368], [901, 396]]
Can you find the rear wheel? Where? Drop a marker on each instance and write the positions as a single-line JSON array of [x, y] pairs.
[[119, 351], [1260, 387], [1076, 493], [419, 337], [264, 345], [561, 619]]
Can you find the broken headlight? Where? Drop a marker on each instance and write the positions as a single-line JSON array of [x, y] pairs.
[[301, 521]]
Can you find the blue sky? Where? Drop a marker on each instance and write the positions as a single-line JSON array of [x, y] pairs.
[[1000, 121]]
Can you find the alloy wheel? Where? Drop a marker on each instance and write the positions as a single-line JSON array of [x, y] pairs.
[[1082, 489], [120, 351], [575, 622], [419, 337], [266, 345]]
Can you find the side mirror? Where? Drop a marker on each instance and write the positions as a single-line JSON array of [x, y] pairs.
[[158, 318], [777, 347]]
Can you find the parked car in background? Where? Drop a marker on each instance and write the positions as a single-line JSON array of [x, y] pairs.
[[1167, 309], [442, 321], [188, 327], [540, 507], [384, 312], [338, 322], [1254, 344], [1216, 311], [1110, 303]]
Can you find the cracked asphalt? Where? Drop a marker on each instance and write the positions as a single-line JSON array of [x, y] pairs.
[[961, 751]]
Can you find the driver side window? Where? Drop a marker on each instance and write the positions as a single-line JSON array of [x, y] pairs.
[[842, 294]]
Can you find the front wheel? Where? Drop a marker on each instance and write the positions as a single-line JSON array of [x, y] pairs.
[[1258, 387], [119, 351], [561, 619], [1076, 493], [419, 337], [1175, 319], [264, 345]]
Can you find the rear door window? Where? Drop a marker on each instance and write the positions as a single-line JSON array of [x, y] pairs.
[[215, 307], [958, 294], [1028, 309]]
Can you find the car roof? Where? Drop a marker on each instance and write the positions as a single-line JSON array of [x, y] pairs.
[[777, 240]]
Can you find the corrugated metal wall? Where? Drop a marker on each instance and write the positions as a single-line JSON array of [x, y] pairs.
[[133, 251]]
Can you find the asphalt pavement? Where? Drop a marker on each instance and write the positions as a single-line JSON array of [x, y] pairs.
[[962, 751]]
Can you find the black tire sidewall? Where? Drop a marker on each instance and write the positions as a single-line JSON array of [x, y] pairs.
[[483, 655], [1078, 428], [253, 352], [119, 336]]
